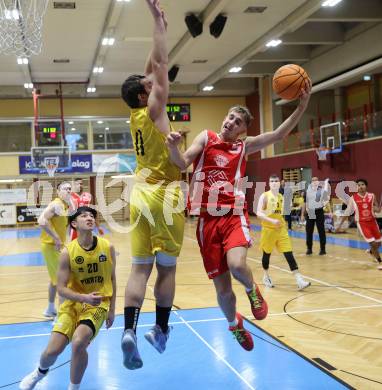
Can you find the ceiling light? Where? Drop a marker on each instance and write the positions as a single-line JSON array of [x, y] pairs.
[[123, 1], [22, 61], [273, 43], [128, 121], [28, 85], [107, 128], [330, 3], [71, 122], [98, 69], [235, 69], [367, 77], [208, 88], [73, 129], [108, 41], [100, 122], [91, 89]]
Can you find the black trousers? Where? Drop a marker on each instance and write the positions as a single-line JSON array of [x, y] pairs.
[[288, 218], [309, 227]]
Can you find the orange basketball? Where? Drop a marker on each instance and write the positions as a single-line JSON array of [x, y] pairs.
[[289, 80]]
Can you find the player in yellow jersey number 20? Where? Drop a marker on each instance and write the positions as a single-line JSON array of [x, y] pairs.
[[86, 279]]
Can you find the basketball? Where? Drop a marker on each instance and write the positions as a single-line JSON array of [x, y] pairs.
[[289, 80]]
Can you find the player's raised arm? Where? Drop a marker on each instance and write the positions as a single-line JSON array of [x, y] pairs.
[[158, 70], [254, 144], [184, 160]]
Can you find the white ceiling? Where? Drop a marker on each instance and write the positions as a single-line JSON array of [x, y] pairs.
[[313, 37]]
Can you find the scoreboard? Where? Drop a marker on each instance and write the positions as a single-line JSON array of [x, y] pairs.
[[179, 112], [48, 133]]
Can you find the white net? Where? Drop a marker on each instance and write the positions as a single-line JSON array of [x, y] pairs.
[[321, 153], [51, 164], [21, 26]]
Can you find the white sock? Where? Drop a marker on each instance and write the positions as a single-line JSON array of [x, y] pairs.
[[51, 306], [72, 386], [233, 323], [297, 274]]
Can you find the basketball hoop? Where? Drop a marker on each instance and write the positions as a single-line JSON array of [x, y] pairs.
[[321, 153], [51, 164], [21, 26]]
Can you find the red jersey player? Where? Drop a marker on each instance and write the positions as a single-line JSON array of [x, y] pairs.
[[81, 198], [364, 204], [217, 195]]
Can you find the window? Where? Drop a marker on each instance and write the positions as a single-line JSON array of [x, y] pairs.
[[76, 135], [15, 137], [111, 134]]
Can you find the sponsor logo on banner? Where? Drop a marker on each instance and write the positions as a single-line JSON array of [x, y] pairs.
[[28, 214], [79, 163], [7, 215]]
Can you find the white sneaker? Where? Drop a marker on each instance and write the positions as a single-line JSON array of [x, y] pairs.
[[49, 313], [302, 283], [267, 281], [30, 381]]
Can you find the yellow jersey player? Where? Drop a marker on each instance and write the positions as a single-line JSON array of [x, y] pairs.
[[86, 279], [274, 232], [157, 233], [53, 222]]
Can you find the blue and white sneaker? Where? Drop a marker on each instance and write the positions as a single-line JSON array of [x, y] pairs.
[[131, 358], [157, 338]]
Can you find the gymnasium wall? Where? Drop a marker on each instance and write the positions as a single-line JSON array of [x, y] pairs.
[[358, 159], [206, 113]]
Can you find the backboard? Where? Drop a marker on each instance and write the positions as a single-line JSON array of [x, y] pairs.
[[331, 137]]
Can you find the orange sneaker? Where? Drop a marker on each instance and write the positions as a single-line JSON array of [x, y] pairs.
[[242, 335], [258, 305]]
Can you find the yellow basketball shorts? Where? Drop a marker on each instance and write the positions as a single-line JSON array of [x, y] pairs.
[[52, 258], [271, 238], [71, 313], [156, 220]]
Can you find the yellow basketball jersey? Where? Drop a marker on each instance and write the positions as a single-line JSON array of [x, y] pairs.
[[91, 269], [274, 209], [59, 224], [150, 148]]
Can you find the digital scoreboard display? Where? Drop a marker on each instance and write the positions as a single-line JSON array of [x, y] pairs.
[[179, 112], [49, 130], [48, 133]]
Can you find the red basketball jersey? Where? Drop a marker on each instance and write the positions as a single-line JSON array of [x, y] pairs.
[[363, 206], [81, 200], [218, 175]]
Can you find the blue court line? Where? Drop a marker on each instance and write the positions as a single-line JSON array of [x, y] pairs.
[[200, 353], [349, 243], [22, 259], [6, 234]]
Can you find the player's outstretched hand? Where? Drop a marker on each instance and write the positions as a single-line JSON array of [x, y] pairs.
[[304, 97], [94, 298], [155, 9], [173, 139]]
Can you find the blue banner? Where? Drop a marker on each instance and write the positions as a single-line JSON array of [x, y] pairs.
[[80, 163]]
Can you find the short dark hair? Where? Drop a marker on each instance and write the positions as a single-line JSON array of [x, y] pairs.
[[78, 179], [131, 88], [79, 211], [274, 176], [243, 111], [364, 181]]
